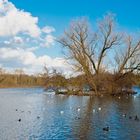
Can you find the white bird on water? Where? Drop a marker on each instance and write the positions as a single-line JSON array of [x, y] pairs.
[[61, 112], [99, 108], [134, 97], [78, 109]]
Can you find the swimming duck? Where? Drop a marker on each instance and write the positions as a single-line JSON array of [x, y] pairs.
[[77, 118], [136, 118], [19, 120], [106, 128]]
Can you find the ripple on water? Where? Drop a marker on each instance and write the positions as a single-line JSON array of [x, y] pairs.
[[66, 117]]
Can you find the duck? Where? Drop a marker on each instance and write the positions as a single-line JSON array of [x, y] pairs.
[[19, 120], [136, 118], [38, 117], [106, 128], [124, 115], [77, 118], [130, 117]]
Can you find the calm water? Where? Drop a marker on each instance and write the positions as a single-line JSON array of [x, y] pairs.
[[44, 116]]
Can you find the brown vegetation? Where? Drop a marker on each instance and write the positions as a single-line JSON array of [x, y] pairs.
[[19, 79]]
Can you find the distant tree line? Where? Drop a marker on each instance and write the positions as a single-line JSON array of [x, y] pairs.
[[19, 79]]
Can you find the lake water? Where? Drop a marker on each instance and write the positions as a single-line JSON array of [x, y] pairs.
[[32, 114]]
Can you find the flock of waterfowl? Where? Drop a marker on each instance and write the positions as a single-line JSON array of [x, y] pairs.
[[107, 128], [136, 118], [19, 120]]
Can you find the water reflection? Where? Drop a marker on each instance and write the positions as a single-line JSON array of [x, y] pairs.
[[44, 116]]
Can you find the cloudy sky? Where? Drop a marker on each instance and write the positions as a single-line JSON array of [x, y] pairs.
[[28, 28]]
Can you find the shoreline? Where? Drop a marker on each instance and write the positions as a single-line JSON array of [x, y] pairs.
[[99, 95], [91, 93]]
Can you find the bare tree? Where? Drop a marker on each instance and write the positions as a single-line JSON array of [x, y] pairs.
[[87, 50], [19, 72], [127, 63], [129, 60], [2, 71], [54, 79]]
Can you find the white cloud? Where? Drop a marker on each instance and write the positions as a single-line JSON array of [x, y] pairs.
[[14, 21], [32, 49], [8, 53], [49, 40], [18, 40], [29, 61], [20, 37], [48, 29]]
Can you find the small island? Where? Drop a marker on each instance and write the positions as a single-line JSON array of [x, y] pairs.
[[88, 53]]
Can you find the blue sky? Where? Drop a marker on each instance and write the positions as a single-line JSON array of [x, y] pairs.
[[59, 12], [37, 44]]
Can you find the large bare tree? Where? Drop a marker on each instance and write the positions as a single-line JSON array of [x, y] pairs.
[[87, 50]]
